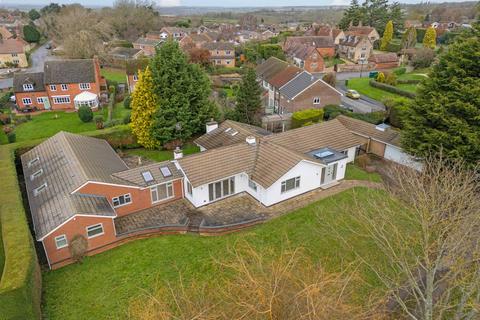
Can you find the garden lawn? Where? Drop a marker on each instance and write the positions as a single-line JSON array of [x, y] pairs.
[[103, 285], [362, 85], [355, 173], [45, 125], [2, 252], [162, 155], [117, 75]]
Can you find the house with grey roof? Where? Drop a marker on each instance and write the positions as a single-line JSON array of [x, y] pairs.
[[63, 85]]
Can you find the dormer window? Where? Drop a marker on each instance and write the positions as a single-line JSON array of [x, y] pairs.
[[36, 174], [33, 161], [37, 191], [27, 87]]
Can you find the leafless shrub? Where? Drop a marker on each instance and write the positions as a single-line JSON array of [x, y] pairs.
[[258, 285], [78, 247]]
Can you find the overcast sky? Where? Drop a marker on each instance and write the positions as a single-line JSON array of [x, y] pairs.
[[215, 3]]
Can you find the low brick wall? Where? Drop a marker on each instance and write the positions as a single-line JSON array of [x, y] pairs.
[[205, 230]]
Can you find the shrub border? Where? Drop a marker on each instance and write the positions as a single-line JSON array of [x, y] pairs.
[[392, 89]]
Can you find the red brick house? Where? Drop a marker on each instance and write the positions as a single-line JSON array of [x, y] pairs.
[[222, 54], [63, 85], [79, 186], [324, 44], [308, 58]]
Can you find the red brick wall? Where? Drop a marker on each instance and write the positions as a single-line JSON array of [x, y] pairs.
[[78, 225], [326, 52], [314, 63], [131, 82], [305, 100], [141, 198], [31, 95], [72, 91]]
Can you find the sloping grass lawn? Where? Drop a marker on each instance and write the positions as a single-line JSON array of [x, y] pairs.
[[162, 155], [355, 173], [102, 286], [117, 75], [362, 85], [46, 125]]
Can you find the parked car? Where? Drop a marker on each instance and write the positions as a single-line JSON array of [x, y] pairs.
[[352, 94]]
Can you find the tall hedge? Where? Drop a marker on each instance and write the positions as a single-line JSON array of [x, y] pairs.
[[20, 285], [300, 118], [392, 89]]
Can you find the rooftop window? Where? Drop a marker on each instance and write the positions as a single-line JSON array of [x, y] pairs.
[[36, 174], [228, 129], [147, 176], [28, 87], [165, 172], [234, 132], [323, 154], [37, 191], [33, 161]]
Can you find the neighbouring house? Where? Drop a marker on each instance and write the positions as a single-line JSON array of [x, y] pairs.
[[132, 68], [289, 89], [165, 33], [272, 168], [197, 40], [308, 58], [381, 140], [324, 44], [247, 35], [385, 60], [148, 46], [124, 54], [5, 33], [355, 48], [363, 31], [79, 186], [63, 85], [337, 35], [13, 53], [222, 54]]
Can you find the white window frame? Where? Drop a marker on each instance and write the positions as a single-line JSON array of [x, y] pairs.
[[135, 77], [61, 99], [27, 101], [53, 87], [125, 197], [61, 237], [231, 191], [36, 174], [40, 100], [316, 100], [154, 190], [284, 185], [28, 87], [64, 87], [252, 185], [189, 188], [84, 86], [94, 227]]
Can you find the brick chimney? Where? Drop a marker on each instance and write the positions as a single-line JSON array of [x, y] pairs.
[[177, 153]]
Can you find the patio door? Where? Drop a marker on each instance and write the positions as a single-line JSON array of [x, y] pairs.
[[46, 103], [329, 174]]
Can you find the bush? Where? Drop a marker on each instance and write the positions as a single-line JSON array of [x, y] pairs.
[[394, 47], [127, 118], [31, 34], [98, 119], [391, 79], [392, 89], [78, 247], [85, 114], [112, 123], [299, 118], [119, 137], [330, 78], [408, 81], [12, 137], [381, 77], [332, 111], [5, 119], [127, 101], [423, 58], [421, 34], [400, 71], [395, 110]]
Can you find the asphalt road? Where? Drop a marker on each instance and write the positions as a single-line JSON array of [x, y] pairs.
[[362, 105]]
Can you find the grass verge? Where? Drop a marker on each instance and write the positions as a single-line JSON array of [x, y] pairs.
[[135, 268]]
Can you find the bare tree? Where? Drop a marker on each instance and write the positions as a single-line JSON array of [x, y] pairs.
[[430, 240], [260, 285]]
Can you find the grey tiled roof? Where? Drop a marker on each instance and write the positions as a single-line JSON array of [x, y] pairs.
[[270, 68], [68, 161], [134, 176], [147, 42], [35, 78], [219, 46], [297, 85], [69, 71]]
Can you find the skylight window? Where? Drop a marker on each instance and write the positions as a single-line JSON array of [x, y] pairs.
[[234, 132], [33, 161], [165, 172], [147, 176], [228, 129], [36, 174], [323, 154], [39, 189]]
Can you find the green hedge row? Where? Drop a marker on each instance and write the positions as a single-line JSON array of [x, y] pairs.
[[20, 285], [301, 118], [408, 81], [392, 89]]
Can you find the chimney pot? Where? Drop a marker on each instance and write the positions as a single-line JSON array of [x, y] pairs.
[[177, 153], [251, 140]]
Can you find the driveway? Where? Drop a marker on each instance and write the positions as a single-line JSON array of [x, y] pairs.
[[362, 105]]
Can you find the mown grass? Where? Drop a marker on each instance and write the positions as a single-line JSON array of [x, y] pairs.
[[355, 173], [102, 286], [363, 86], [117, 75], [162, 155]]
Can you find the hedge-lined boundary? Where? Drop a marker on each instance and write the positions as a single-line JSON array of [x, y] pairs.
[[408, 81], [392, 89], [20, 285]]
